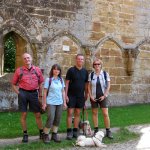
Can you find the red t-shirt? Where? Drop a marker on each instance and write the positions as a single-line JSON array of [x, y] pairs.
[[29, 80]]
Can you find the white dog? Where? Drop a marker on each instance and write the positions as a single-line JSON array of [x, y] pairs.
[[91, 141]]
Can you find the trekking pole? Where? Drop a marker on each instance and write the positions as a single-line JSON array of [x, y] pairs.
[[83, 121]]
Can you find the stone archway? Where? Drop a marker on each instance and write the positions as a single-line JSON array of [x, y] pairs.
[[20, 45]]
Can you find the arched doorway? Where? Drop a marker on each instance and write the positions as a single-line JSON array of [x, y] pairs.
[[14, 47]]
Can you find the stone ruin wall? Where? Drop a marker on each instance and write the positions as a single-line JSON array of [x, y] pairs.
[[117, 31]]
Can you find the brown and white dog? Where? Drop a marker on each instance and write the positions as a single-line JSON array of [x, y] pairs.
[[96, 140]]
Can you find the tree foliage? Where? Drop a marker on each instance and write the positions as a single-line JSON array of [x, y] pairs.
[[9, 53]]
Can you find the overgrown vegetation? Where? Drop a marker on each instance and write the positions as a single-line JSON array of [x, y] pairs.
[[9, 53]]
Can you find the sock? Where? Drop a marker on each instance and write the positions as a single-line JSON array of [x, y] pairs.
[[69, 130], [41, 131], [75, 129], [46, 130], [95, 128], [107, 129], [54, 129]]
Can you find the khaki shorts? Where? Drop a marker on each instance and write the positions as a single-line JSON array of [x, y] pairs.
[[102, 104]]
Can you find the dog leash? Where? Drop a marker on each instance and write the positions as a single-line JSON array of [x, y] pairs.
[[83, 113]]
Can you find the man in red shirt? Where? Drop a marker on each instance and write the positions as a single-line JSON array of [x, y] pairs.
[[29, 78]]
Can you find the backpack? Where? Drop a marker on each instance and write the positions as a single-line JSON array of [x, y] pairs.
[[50, 81], [105, 77], [35, 72]]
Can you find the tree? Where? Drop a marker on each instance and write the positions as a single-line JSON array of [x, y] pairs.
[[9, 53]]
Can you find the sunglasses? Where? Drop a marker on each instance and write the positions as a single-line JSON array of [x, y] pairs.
[[96, 64]]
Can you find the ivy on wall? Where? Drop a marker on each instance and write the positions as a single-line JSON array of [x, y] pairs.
[[9, 53]]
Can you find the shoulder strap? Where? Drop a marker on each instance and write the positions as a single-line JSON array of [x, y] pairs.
[[37, 75], [50, 81], [92, 74], [61, 80], [21, 73], [105, 77]]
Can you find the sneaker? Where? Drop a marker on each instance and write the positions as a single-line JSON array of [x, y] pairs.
[[75, 134], [69, 135], [25, 138], [109, 134], [55, 138], [46, 138]]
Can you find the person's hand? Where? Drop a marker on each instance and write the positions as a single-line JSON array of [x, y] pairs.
[[67, 99], [102, 98], [44, 106], [65, 106], [92, 99]]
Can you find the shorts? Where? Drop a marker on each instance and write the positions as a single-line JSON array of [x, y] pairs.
[[30, 98], [75, 102], [102, 104], [54, 113]]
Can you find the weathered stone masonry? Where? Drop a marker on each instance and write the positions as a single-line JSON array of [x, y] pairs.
[[117, 31]]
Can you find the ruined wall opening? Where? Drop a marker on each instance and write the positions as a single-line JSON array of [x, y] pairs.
[[14, 47], [9, 53]]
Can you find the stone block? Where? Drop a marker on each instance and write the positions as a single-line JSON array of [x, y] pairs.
[[126, 16], [115, 52], [144, 54], [123, 80], [67, 42], [125, 88], [112, 80], [112, 21], [128, 39], [117, 72], [73, 50], [96, 36], [115, 88], [104, 52], [108, 61], [96, 27], [119, 62]]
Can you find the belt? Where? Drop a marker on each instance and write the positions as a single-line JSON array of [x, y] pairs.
[[30, 91]]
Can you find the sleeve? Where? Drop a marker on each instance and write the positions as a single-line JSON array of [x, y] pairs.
[[89, 77], [108, 77], [86, 80], [68, 75], [46, 83]]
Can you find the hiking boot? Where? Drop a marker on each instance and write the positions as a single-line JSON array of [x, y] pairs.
[[41, 136], [55, 138], [75, 133], [109, 134], [46, 138], [25, 138], [69, 134]]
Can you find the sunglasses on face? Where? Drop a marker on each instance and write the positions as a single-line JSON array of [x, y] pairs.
[[96, 64]]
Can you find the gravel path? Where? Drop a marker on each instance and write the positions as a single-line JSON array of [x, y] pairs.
[[142, 143]]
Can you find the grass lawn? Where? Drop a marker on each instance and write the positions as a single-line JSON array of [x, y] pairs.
[[119, 116]]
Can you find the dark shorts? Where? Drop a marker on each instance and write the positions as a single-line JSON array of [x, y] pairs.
[[75, 102], [102, 104], [28, 98]]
